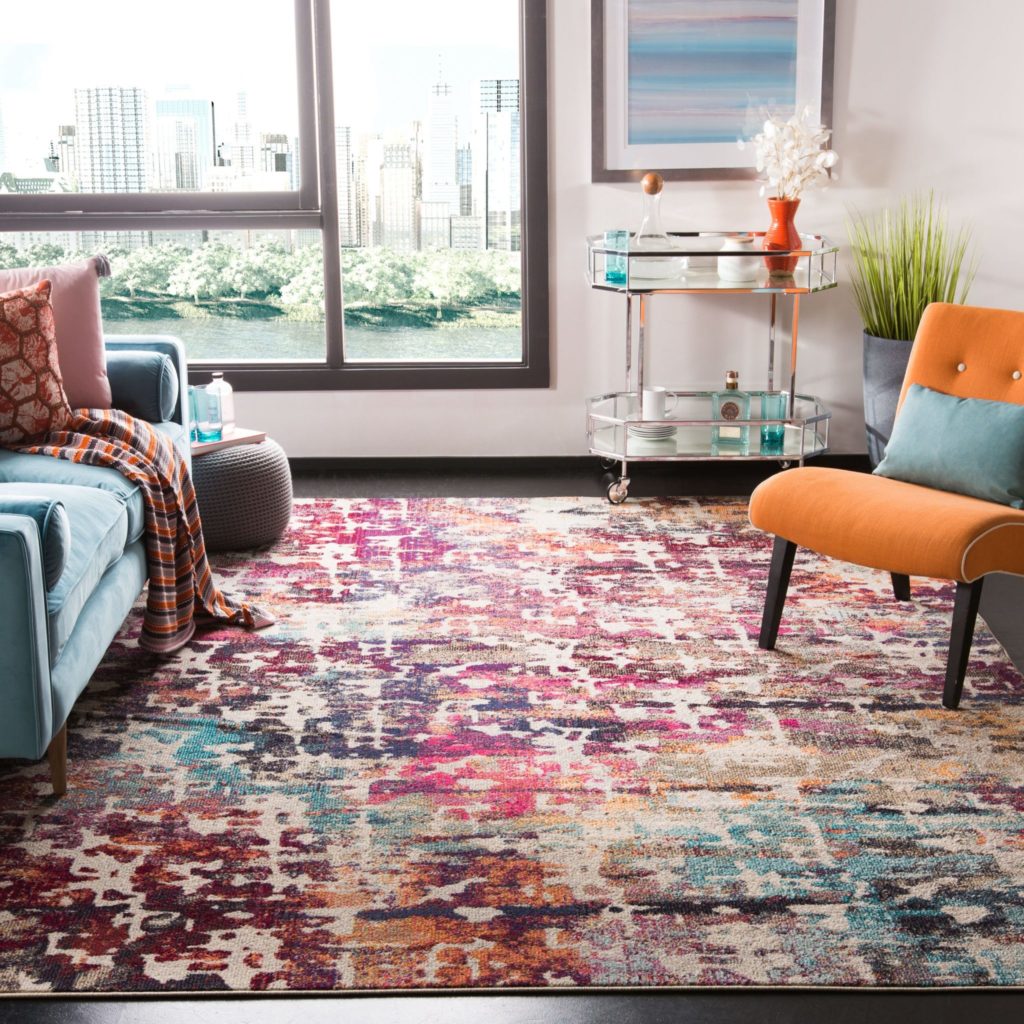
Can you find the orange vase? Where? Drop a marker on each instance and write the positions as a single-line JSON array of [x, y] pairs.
[[782, 235]]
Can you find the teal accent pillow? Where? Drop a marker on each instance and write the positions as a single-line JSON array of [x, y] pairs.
[[968, 445]]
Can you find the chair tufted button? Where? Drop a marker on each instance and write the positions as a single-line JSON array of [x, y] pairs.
[[1015, 375], [960, 367]]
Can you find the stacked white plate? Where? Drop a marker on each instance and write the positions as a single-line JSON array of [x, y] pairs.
[[651, 431]]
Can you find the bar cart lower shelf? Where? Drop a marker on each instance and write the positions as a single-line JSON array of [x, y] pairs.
[[617, 434]]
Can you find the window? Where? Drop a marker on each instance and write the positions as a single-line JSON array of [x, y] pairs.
[[427, 140], [370, 226], [173, 110]]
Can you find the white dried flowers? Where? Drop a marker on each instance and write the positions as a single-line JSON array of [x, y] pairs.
[[790, 154]]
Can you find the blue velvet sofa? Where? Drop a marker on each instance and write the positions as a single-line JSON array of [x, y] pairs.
[[72, 557]]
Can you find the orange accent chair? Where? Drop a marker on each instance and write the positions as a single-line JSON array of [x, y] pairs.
[[906, 529]]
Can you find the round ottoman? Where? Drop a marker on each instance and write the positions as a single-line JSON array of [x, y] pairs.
[[244, 495]]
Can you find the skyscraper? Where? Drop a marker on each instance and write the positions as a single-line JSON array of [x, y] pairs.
[[467, 229], [275, 155], [368, 185], [440, 187], [67, 155], [112, 132], [440, 168], [464, 172], [398, 197], [496, 190], [185, 143], [243, 153], [296, 164], [112, 144], [345, 161]]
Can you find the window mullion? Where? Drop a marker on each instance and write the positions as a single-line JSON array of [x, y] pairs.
[[309, 185], [333, 300]]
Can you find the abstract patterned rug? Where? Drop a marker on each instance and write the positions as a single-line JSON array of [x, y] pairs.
[[529, 743]]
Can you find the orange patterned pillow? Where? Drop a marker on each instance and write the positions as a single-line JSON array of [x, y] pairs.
[[32, 399]]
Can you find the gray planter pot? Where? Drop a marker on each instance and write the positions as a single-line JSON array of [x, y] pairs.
[[885, 365]]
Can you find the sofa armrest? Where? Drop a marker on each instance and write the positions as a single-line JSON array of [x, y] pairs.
[[26, 725], [143, 384], [169, 346], [51, 519]]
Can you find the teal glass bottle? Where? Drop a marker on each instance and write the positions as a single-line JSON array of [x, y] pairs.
[[727, 406]]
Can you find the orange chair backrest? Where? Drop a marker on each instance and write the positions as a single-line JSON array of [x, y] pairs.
[[970, 352]]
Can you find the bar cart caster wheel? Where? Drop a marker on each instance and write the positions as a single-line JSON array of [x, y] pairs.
[[607, 464], [785, 463], [618, 491]]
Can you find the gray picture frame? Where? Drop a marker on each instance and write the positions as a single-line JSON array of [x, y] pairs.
[[670, 167]]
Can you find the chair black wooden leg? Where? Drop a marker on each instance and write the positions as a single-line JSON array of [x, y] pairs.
[[965, 612], [901, 586], [778, 584]]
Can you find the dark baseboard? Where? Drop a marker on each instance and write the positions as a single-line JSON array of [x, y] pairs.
[[524, 464], [532, 476]]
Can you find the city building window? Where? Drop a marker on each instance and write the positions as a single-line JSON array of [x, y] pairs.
[[360, 206]]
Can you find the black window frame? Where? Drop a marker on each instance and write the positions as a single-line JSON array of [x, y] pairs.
[[315, 205]]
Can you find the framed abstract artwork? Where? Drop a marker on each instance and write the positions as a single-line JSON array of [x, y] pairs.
[[675, 84]]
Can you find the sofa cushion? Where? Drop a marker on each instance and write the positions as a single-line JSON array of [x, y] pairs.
[[52, 520], [32, 399], [76, 311], [21, 469], [99, 534]]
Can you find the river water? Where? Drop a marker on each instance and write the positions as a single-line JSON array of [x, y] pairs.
[[227, 340]]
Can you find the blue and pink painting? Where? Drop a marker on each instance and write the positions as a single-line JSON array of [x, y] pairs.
[[700, 71]]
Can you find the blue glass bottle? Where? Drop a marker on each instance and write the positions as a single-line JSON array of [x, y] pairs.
[[726, 406]]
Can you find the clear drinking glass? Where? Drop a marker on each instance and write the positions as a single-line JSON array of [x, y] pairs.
[[615, 266], [774, 406], [193, 413], [209, 425]]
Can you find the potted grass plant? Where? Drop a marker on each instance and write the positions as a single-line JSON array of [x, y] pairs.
[[904, 257]]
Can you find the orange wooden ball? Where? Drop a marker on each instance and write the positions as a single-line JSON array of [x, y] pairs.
[[653, 183]]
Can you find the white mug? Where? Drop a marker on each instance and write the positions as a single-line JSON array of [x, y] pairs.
[[656, 404]]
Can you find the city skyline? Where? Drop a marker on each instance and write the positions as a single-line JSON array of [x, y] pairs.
[[379, 78], [436, 185], [39, 71], [424, 160]]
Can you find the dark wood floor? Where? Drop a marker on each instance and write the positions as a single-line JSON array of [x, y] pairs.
[[610, 1008], [527, 478], [537, 478]]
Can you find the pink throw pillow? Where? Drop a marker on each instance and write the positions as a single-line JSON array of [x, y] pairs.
[[76, 312], [32, 399]]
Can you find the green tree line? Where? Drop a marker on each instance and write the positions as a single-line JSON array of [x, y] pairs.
[[294, 279]]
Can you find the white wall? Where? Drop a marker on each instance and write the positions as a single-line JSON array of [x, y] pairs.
[[928, 94]]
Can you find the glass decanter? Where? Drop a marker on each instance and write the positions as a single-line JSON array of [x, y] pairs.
[[652, 237]]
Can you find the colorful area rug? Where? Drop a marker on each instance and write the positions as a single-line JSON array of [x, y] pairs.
[[529, 743]]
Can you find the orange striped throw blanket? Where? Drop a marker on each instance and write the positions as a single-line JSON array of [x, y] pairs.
[[182, 592]]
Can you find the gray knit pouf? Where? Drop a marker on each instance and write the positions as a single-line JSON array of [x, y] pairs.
[[244, 495]]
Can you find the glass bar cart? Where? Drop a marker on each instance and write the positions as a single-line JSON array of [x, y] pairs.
[[616, 430]]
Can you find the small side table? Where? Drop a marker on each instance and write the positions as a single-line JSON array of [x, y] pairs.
[[244, 494]]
